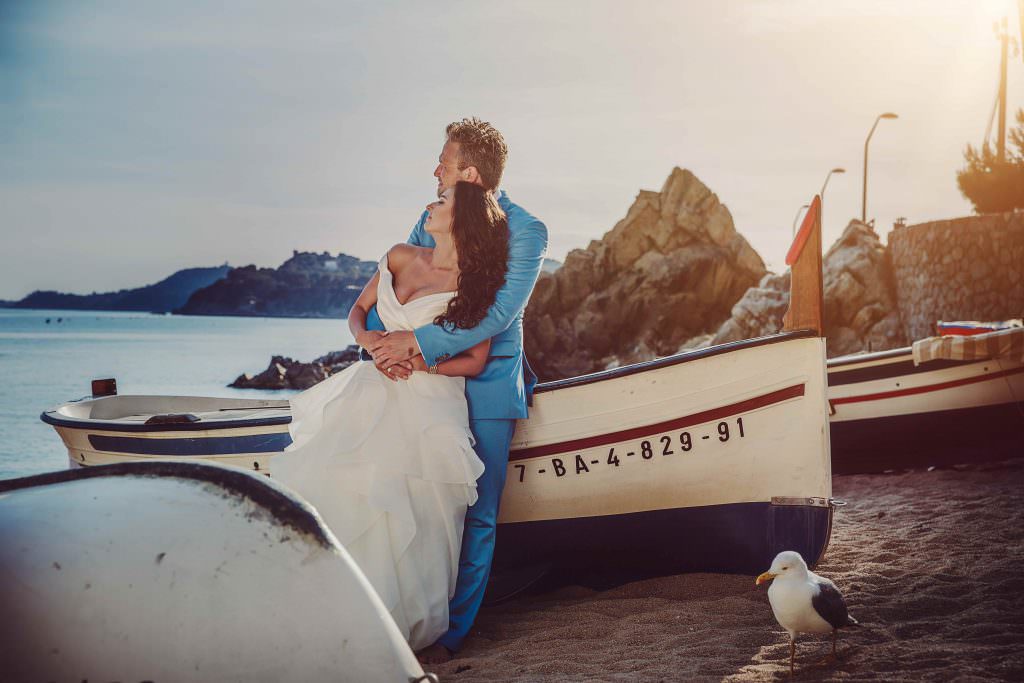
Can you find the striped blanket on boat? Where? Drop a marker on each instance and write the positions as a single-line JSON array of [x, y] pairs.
[[1008, 343]]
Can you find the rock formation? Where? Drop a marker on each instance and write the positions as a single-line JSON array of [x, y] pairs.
[[860, 299], [306, 285], [671, 269], [285, 373]]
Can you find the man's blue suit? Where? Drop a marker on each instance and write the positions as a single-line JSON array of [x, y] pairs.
[[497, 397]]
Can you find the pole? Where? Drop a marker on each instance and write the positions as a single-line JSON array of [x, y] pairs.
[[1020, 13], [864, 191], [821, 218], [1001, 141], [805, 206], [864, 194], [825, 184]]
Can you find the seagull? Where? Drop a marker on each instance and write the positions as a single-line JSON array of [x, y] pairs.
[[804, 602]]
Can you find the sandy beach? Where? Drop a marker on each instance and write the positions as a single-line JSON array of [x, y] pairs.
[[930, 563]]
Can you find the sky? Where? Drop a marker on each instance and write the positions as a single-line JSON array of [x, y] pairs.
[[140, 138]]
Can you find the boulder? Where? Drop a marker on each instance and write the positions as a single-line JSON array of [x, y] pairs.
[[861, 313], [285, 373], [670, 270]]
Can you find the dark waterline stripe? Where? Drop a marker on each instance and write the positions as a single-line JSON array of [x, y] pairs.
[[211, 445], [889, 370]]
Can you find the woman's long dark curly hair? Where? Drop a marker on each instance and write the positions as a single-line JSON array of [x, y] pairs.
[[480, 233]]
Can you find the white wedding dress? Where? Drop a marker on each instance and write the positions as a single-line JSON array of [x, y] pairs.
[[391, 469]]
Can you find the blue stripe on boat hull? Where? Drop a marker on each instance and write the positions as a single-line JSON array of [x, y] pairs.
[[209, 445], [942, 437], [736, 538]]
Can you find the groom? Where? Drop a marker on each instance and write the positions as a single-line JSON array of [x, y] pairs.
[[474, 151]]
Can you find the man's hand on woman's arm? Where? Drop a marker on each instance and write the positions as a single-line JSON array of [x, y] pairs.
[[393, 347], [367, 338]]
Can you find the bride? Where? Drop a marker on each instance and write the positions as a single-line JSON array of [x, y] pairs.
[[388, 464]]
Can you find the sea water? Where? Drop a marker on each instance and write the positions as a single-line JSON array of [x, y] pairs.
[[49, 357]]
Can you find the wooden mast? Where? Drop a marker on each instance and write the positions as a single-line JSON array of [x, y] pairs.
[[806, 299]]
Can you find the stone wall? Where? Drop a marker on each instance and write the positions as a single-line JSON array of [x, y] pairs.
[[963, 269]]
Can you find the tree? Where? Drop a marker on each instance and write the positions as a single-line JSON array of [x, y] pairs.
[[994, 186]]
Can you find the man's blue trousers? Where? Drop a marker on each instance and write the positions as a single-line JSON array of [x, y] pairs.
[[493, 438]]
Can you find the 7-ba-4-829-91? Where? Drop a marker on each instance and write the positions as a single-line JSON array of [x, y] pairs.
[[657, 446]]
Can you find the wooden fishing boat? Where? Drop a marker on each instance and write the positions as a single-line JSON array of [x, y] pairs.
[[172, 571], [944, 400], [709, 460]]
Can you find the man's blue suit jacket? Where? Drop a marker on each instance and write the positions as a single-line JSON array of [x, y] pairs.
[[504, 388]]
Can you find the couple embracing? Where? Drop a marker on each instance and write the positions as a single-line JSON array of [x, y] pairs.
[[405, 457]]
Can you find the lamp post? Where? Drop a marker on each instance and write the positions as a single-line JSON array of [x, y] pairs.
[[825, 184], [864, 194], [822, 195], [805, 206]]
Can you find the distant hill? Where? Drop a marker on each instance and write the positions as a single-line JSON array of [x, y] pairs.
[[305, 286], [161, 297]]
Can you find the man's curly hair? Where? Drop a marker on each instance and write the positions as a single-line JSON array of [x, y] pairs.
[[482, 146]]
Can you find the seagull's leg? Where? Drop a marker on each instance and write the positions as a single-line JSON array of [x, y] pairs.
[[792, 654], [834, 633]]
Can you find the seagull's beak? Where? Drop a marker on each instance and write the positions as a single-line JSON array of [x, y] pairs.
[[764, 578]]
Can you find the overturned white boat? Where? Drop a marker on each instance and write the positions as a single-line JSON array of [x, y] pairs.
[[170, 571], [711, 460]]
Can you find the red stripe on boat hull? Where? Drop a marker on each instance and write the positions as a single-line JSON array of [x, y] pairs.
[[925, 389], [647, 430]]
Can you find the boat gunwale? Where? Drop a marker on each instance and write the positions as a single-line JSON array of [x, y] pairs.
[[281, 503], [51, 418], [855, 358], [675, 359]]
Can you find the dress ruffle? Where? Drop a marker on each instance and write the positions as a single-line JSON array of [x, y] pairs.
[[391, 469]]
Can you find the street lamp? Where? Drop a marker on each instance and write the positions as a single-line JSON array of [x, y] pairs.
[[822, 195], [864, 194], [825, 184], [805, 206]]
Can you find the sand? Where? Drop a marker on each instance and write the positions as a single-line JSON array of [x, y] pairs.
[[930, 562]]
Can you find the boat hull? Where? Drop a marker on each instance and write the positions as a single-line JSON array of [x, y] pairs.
[[692, 451], [183, 572], [731, 538], [889, 414], [935, 438], [243, 433], [691, 474]]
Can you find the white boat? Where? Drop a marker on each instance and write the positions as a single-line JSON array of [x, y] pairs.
[[724, 450], [712, 460], [171, 571], [960, 400]]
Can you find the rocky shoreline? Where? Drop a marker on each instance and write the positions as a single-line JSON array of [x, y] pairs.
[[286, 373]]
